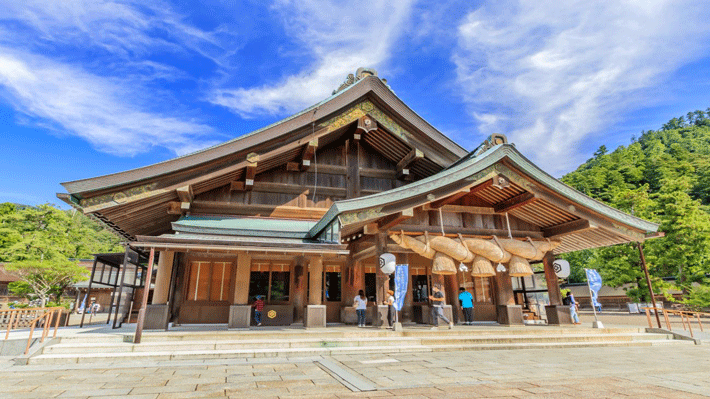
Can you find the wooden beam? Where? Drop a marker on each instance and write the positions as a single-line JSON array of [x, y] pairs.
[[408, 159], [236, 186], [294, 167], [390, 221], [185, 193], [478, 232], [481, 187], [174, 208], [308, 154], [480, 210], [370, 229], [515, 202], [365, 253], [564, 229], [451, 198], [276, 211]]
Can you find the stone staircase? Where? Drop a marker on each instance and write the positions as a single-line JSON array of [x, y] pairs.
[[162, 346]]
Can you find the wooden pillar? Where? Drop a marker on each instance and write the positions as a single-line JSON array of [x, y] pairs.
[[162, 279], [504, 288], [241, 279], [358, 278], [648, 281], [508, 312], [557, 313], [315, 269], [144, 301], [451, 286], [352, 149], [381, 247], [299, 285], [553, 285]]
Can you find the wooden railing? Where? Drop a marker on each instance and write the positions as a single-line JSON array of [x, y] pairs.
[[31, 317], [685, 317]]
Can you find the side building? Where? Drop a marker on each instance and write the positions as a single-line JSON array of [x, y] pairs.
[[300, 211]]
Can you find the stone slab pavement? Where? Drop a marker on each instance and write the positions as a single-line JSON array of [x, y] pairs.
[[616, 372]]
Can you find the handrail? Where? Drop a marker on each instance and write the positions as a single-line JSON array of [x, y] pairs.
[[685, 317], [45, 330], [17, 316]]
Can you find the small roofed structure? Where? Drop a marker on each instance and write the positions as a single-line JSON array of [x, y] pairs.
[[300, 211]]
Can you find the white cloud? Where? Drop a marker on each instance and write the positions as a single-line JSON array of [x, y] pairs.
[[121, 28], [553, 74], [103, 112], [339, 36], [87, 68]]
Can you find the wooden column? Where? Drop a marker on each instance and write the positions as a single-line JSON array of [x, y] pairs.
[[381, 278], [299, 284], [241, 279], [144, 301], [352, 149], [451, 286], [648, 281], [162, 279], [504, 289], [315, 269], [508, 312], [358, 278], [553, 285]]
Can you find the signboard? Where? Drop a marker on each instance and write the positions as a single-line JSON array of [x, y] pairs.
[[401, 277]]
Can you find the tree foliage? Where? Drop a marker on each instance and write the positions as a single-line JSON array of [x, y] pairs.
[[663, 176], [41, 246]]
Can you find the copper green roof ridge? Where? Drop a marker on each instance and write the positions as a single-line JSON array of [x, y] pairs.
[[479, 163]]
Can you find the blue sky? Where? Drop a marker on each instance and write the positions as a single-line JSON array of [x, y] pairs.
[[95, 87]]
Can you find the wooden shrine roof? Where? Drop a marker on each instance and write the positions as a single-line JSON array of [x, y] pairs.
[[443, 150], [529, 194]]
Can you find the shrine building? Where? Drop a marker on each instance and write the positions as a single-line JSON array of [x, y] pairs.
[[300, 211]]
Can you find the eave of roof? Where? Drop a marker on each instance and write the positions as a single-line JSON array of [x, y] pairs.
[[464, 170], [243, 226], [370, 85], [239, 243]]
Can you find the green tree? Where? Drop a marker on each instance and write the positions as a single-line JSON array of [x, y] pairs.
[[41, 244], [663, 176]]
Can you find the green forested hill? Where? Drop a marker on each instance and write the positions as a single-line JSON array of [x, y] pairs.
[[41, 244], [662, 176]]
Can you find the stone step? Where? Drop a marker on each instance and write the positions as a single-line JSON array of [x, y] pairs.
[[161, 336], [203, 345], [157, 356]]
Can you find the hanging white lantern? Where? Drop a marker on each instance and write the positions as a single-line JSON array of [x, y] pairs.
[[387, 263], [561, 268]]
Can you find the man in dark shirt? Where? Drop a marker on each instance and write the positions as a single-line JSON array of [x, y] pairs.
[[437, 307]]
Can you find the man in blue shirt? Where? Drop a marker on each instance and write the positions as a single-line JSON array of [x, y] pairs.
[[466, 301]]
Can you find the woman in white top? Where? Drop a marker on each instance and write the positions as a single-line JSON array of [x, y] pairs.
[[390, 307], [360, 304]]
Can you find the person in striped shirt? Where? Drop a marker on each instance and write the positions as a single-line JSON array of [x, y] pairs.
[[258, 306]]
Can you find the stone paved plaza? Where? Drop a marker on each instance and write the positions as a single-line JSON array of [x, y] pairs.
[[626, 372]]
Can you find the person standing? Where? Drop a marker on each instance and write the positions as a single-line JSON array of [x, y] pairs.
[[360, 304], [437, 307], [258, 306], [390, 307], [466, 300], [573, 308]]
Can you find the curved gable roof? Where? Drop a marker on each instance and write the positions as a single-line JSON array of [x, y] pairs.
[[465, 173], [369, 86]]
